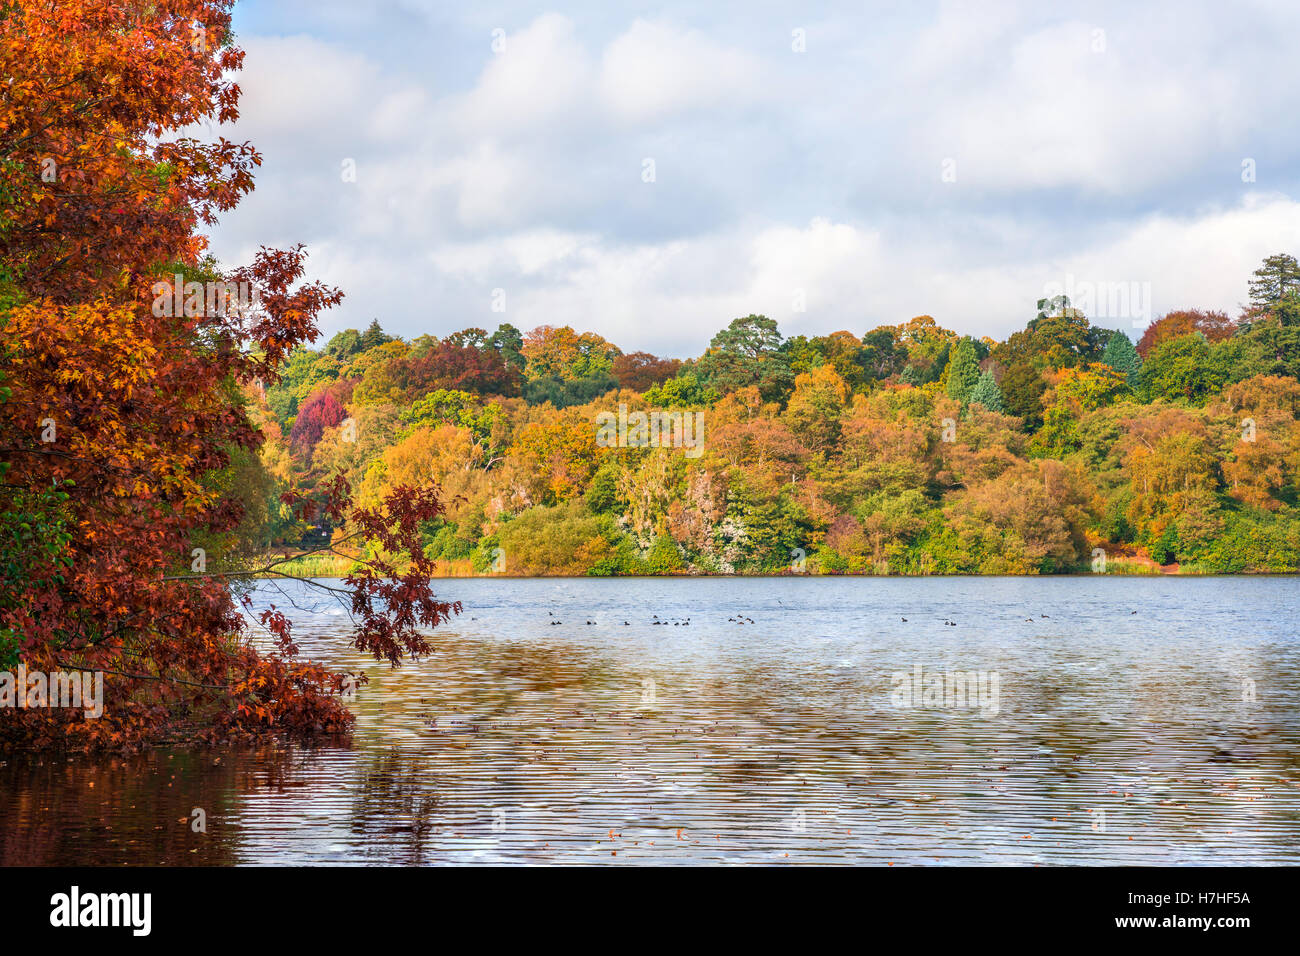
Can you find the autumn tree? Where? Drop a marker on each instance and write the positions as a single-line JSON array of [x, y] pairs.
[[565, 354], [1181, 368], [815, 407], [1215, 326], [561, 457], [640, 370], [124, 421], [1059, 337], [1262, 440], [323, 409], [462, 361], [1076, 392]]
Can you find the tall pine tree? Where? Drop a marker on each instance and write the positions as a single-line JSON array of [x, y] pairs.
[[963, 370], [1121, 355], [1276, 288], [987, 393], [374, 336]]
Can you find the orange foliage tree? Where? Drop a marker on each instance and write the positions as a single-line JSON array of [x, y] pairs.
[[1215, 326], [121, 404]]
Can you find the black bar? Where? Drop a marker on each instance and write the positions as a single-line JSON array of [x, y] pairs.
[[327, 905]]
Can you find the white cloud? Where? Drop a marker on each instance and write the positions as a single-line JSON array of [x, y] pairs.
[[302, 93], [1054, 111], [541, 74], [778, 171], [526, 254], [655, 69], [678, 294]]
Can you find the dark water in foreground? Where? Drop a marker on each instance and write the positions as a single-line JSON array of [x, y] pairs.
[[1116, 737]]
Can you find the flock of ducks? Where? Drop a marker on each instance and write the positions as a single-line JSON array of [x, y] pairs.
[[742, 619], [686, 622], [678, 623]]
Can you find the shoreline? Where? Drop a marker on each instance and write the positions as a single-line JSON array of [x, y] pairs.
[[787, 574]]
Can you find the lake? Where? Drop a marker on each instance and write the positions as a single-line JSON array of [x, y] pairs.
[[1105, 720]]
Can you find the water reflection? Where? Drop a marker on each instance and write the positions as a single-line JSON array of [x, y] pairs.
[[1118, 738]]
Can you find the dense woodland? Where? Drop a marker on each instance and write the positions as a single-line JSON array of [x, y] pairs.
[[906, 449]]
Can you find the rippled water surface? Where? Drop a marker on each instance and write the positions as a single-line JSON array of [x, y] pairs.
[[1136, 721]]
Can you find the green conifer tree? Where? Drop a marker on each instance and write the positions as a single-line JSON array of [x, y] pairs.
[[963, 370], [987, 393], [1122, 356]]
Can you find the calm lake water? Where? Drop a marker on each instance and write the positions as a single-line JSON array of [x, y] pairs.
[[1136, 721]]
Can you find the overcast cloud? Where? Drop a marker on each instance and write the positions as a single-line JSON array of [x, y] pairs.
[[954, 159]]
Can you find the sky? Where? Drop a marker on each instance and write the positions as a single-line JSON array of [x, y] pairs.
[[650, 172]]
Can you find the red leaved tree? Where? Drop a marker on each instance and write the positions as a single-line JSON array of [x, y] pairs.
[[1215, 326], [121, 415], [323, 409]]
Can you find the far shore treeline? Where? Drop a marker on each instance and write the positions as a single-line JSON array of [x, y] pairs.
[[903, 449]]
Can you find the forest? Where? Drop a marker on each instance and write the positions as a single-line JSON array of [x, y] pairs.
[[903, 449]]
